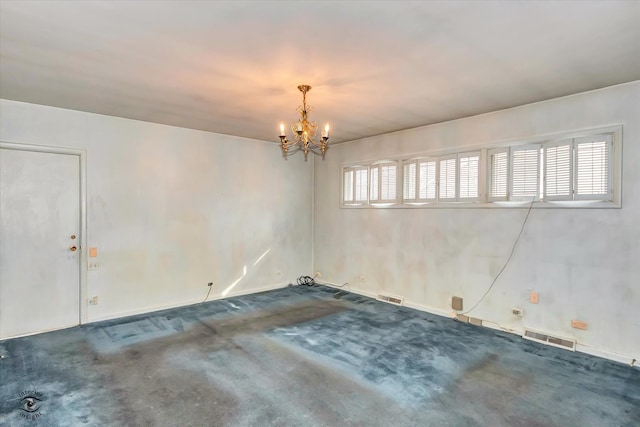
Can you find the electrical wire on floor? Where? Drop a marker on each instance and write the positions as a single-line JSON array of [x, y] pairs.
[[306, 281], [208, 293], [513, 250], [311, 281]]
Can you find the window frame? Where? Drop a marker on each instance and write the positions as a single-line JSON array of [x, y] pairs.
[[545, 170], [609, 195], [378, 166], [354, 170]]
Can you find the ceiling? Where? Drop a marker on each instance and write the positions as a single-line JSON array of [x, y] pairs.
[[375, 67]]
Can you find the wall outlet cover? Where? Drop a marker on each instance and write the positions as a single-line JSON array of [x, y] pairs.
[[533, 298], [579, 324]]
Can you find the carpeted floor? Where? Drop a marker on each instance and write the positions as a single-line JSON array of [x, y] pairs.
[[300, 357]]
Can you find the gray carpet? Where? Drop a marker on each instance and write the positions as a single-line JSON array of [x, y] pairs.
[[300, 357]]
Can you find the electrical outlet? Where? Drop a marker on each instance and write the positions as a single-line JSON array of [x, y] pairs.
[[318, 274], [278, 273], [362, 279], [517, 311], [93, 265], [93, 301], [210, 284]]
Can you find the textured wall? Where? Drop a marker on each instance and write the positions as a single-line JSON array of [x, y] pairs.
[[171, 209], [582, 262]]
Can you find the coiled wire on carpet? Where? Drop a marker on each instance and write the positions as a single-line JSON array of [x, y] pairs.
[[306, 281]]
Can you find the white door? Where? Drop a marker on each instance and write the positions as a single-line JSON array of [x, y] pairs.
[[39, 242]]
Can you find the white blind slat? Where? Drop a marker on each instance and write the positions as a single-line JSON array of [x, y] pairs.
[[409, 181], [469, 176], [348, 186], [360, 185], [447, 190], [557, 165], [427, 182], [592, 168], [525, 172], [387, 182], [498, 169], [373, 174]]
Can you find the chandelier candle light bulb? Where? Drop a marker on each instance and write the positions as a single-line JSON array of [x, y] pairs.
[[325, 134], [304, 132]]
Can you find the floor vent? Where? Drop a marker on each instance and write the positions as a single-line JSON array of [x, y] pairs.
[[550, 339], [391, 299]]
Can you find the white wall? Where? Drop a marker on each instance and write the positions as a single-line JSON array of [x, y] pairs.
[[172, 209], [585, 264]]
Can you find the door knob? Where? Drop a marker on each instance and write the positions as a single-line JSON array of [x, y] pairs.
[[73, 248]]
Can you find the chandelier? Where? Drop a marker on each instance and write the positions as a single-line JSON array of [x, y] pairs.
[[304, 132]]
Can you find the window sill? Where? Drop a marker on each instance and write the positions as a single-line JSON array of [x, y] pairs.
[[556, 204]]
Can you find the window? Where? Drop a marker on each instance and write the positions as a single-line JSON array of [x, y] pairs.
[[355, 184], [498, 174], [557, 170], [525, 172], [419, 181], [468, 164], [578, 169], [582, 165], [447, 183], [383, 182], [593, 167]]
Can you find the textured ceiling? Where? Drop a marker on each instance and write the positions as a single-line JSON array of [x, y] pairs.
[[375, 67]]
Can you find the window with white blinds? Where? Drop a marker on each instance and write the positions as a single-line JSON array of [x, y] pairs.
[[447, 183], [383, 182], [427, 180], [564, 168], [593, 167], [409, 181], [525, 172], [355, 185], [498, 174], [557, 170], [468, 165], [419, 181]]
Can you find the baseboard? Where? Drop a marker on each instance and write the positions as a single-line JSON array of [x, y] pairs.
[[616, 357], [151, 309], [428, 309]]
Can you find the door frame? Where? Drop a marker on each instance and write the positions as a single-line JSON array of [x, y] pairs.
[[82, 157]]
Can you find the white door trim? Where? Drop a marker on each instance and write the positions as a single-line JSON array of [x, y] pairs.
[[82, 155]]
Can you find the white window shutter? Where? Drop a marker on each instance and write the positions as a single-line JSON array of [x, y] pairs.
[[374, 195], [593, 167], [498, 174], [427, 180], [383, 183], [468, 165], [388, 183], [558, 170], [525, 172], [409, 180], [360, 185], [347, 189], [447, 184]]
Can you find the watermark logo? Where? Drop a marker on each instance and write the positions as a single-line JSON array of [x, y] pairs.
[[31, 404]]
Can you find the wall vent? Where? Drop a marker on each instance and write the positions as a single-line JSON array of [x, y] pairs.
[[543, 338], [391, 299]]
